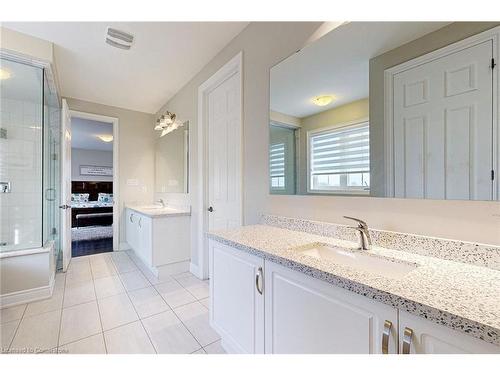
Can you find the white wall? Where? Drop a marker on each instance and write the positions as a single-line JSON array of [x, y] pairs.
[[81, 156], [264, 45]]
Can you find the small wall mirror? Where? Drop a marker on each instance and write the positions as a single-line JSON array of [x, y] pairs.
[[388, 109], [172, 161]]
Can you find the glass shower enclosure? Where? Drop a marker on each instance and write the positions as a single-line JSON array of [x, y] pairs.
[[29, 158]]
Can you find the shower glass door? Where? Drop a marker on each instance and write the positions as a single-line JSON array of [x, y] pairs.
[[21, 155], [51, 168]]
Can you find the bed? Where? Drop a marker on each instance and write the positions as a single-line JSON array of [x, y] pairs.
[[91, 203]]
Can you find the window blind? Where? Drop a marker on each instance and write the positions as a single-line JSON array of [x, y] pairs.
[[341, 155], [277, 165]]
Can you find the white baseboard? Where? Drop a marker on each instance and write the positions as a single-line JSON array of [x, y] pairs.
[[124, 246], [173, 268], [26, 296], [195, 270]]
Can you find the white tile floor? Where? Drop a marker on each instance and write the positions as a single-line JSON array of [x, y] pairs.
[[110, 303]]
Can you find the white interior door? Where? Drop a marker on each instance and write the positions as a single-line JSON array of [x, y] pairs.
[[443, 127], [224, 154], [66, 185]]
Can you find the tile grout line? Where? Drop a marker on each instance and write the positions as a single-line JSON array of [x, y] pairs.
[[172, 279], [17, 328], [151, 285], [98, 309], [172, 309], [62, 308], [133, 306]]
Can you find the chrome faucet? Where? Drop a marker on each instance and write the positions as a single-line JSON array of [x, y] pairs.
[[365, 241], [162, 202]]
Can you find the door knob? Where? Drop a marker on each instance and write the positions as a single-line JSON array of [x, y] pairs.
[[210, 209], [64, 206]]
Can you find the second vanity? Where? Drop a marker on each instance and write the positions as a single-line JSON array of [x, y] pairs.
[[293, 286], [160, 237]]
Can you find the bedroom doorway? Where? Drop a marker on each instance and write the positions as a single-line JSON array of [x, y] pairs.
[[93, 185]]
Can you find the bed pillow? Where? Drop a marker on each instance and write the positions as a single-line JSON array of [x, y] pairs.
[[80, 197], [105, 198]]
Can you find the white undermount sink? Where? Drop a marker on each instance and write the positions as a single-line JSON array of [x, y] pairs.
[[151, 207], [356, 259]]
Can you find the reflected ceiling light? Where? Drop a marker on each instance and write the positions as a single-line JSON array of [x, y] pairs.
[[322, 100], [167, 123], [4, 74], [105, 137]]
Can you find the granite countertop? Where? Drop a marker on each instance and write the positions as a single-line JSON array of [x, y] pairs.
[[159, 211], [462, 296]]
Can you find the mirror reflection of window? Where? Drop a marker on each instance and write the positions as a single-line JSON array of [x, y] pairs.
[[282, 160], [339, 159], [419, 96]]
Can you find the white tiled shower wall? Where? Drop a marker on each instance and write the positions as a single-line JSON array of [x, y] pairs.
[[21, 165]]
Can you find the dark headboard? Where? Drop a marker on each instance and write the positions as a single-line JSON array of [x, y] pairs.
[[92, 187]]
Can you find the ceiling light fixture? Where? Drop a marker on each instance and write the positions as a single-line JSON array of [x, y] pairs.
[[119, 39], [322, 100], [167, 123], [4, 74], [105, 137]]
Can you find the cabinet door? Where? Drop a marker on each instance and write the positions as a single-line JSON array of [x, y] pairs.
[[306, 315], [130, 229], [144, 238], [431, 338], [236, 306]]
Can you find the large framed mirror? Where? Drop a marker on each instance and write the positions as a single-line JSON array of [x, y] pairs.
[[388, 109], [172, 161]]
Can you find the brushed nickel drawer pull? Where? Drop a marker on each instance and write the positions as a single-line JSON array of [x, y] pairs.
[[386, 334], [407, 337], [258, 277]]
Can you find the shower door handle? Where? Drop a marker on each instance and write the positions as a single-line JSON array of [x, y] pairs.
[[5, 187], [64, 206]]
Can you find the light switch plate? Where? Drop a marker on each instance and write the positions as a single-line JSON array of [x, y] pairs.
[[132, 182]]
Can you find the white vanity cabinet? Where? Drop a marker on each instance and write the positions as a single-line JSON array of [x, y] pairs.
[[425, 337], [259, 306], [236, 305], [307, 315], [138, 234], [161, 242]]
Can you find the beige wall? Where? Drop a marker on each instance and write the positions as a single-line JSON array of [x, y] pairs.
[[283, 118], [26, 45], [354, 111], [265, 44], [136, 152]]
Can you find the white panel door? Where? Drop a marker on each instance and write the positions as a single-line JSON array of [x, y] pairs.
[[224, 154], [443, 127], [66, 185], [306, 315], [431, 338], [236, 306]]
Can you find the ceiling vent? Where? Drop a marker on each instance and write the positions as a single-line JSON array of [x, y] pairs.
[[119, 39]]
